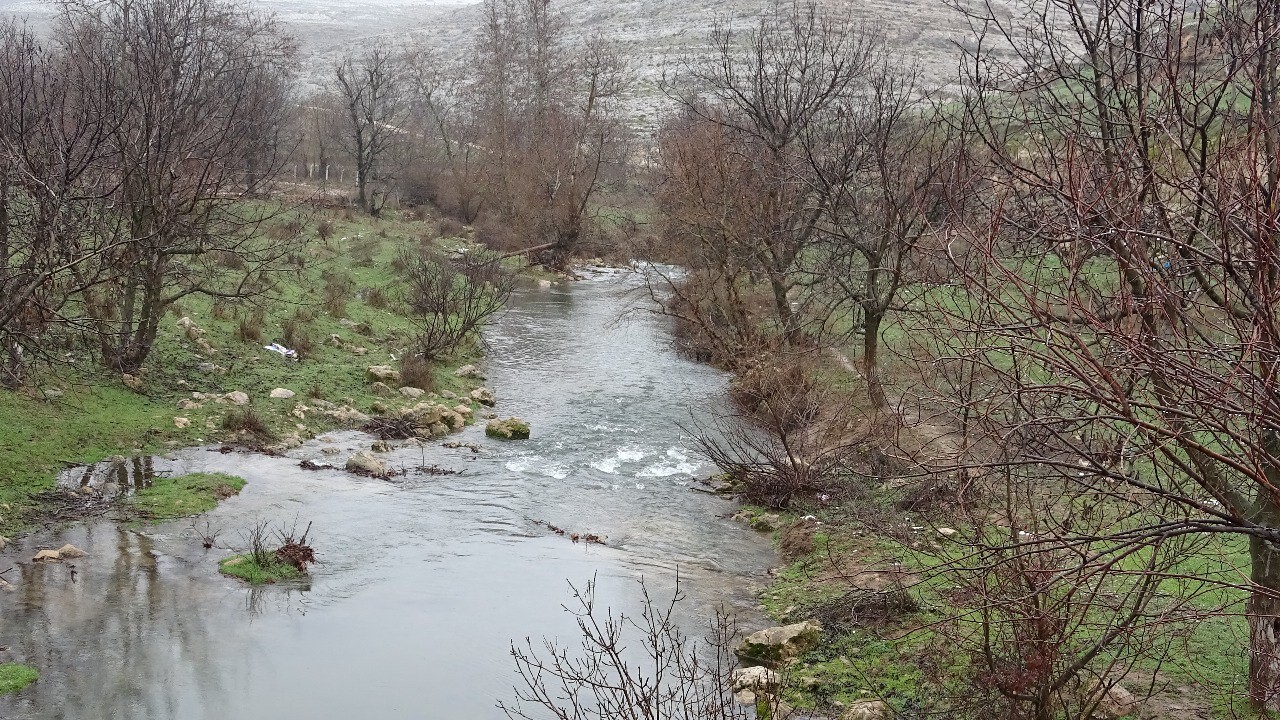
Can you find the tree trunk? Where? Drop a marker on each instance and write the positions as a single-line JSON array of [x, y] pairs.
[[1263, 613], [871, 358], [786, 316]]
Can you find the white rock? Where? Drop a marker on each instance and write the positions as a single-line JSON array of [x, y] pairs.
[[182, 423], [412, 393], [282, 394], [236, 398]]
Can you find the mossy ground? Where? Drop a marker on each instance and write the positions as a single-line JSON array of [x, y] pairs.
[[96, 416], [14, 677], [171, 497], [253, 572]]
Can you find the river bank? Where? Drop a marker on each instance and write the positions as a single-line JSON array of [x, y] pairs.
[[338, 305], [423, 581]]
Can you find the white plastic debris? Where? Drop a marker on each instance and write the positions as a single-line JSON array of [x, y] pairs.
[[282, 350]]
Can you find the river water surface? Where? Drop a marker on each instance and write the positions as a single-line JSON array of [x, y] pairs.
[[423, 582]]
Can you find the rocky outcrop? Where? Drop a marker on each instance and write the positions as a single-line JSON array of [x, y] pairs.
[[132, 382], [774, 646], [364, 463], [236, 398], [484, 396], [470, 372], [182, 423], [509, 429], [383, 373], [1117, 702], [754, 683], [71, 552], [412, 393], [866, 710], [282, 394], [346, 415]]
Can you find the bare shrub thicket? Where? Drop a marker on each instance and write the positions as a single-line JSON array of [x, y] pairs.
[[631, 668], [451, 300]]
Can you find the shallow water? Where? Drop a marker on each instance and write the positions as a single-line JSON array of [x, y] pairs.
[[423, 582]]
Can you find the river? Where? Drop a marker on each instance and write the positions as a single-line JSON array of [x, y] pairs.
[[422, 583]]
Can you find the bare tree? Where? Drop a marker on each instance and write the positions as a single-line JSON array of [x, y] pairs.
[[197, 95], [1126, 271], [370, 89], [450, 301]]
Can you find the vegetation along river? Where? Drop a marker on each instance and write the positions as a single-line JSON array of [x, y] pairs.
[[424, 581]]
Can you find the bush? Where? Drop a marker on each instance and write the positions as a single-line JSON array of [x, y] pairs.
[[449, 227], [248, 421], [289, 230], [498, 236], [450, 301], [325, 230], [377, 297], [337, 289], [297, 339], [416, 372], [250, 330]]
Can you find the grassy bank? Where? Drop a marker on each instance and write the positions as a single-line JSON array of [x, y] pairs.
[[339, 303], [14, 677]]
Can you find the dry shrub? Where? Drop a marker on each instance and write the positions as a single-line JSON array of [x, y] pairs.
[[451, 300], [304, 315], [449, 227], [325, 230], [337, 290], [296, 338], [498, 236], [228, 260], [781, 389], [315, 392], [220, 311], [377, 297], [289, 230], [250, 330], [246, 420], [416, 372], [363, 251]]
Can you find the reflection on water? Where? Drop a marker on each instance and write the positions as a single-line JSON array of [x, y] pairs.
[[423, 583]]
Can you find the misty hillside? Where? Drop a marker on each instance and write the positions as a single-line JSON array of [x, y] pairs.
[[652, 34]]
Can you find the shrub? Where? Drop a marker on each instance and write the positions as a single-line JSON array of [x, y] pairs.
[[297, 339], [325, 230], [337, 289], [248, 421], [288, 230], [377, 297], [450, 301], [449, 227], [416, 372], [498, 236], [250, 329]]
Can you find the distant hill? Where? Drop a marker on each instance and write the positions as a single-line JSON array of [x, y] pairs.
[[651, 33]]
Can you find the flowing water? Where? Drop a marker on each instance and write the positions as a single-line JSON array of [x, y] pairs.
[[423, 582]]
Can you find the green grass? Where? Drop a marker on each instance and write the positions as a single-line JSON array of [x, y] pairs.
[[251, 571], [185, 495], [97, 417], [14, 677]]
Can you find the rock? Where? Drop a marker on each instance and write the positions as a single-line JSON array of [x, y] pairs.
[[438, 429], [455, 421], [426, 413], [364, 463], [544, 284], [236, 398], [764, 522], [412, 393], [347, 415], [347, 323], [947, 533], [866, 710], [330, 450], [282, 394], [509, 429], [131, 382], [468, 371], [360, 351], [47, 556], [51, 393], [379, 407], [484, 396], [381, 446], [70, 552], [776, 645], [1117, 702], [206, 368], [463, 410], [335, 340], [382, 373], [758, 679], [185, 323], [3, 542], [446, 394], [189, 405], [182, 423], [381, 389], [5, 586], [323, 404]]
